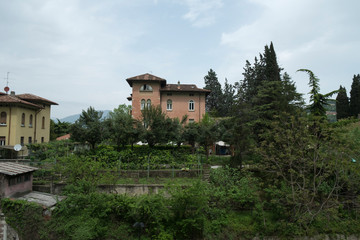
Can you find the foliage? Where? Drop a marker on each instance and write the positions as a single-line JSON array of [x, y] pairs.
[[342, 104], [156, 125], [58, 128], [88, 128], [214, 99], [25, 217], [121, 127], [355, 96], [317, 100], [208, 133]]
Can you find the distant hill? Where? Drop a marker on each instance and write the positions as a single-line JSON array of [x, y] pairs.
[[73, 118]]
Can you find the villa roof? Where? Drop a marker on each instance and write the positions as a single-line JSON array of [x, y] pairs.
[[33, 98], [183, 88], [12, 169], [145, 77], [9, 99]]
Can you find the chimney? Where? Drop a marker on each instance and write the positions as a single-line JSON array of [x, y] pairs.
[[178, 87], [12, 93]]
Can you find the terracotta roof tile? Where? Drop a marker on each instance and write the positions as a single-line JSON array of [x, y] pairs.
[[11, 169], [183, 88], [31, 97], [8, 99], [145, 77]]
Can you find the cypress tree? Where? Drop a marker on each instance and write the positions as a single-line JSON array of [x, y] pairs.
[[355, 96], [342, 104], [214, 99]]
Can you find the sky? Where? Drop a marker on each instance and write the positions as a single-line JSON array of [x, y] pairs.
[[79, 53]]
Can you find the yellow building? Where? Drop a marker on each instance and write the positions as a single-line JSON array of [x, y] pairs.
[[24, 119]]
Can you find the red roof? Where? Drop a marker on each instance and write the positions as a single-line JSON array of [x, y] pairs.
[[31, 97], [8, 99], [145, 77], [183, 88], [65, 137]]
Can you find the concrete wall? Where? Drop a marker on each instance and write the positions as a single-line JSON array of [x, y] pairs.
[[129, 189], [19, 187]]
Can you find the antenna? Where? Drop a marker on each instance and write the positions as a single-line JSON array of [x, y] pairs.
[[6, 88]]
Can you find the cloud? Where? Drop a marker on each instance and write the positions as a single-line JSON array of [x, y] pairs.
[[319, 35], [202, 12]]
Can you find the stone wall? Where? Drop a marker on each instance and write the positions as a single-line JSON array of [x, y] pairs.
[[129, 189]]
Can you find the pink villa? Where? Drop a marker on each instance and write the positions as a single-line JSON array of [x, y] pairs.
[[15, 178], [176, 100]]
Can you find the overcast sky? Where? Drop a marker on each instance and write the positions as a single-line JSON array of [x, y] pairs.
[[78, 53]]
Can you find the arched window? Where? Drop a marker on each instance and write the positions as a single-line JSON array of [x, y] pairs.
[[142, 105], [3, 118], [43, 123], [31, 120], [148, 103], [191, 105], [146, 87], [169, 104], [23, 120]]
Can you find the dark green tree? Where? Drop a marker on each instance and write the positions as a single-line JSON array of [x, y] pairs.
[[355, 96], [318, 101], [156, 125], [120, 125], [214, 99], [88, 128], [208, 133], [228, 100], [191, 134], [58, 128], [342, 104]]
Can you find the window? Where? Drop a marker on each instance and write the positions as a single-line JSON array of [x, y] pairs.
[[2, 141], [12, 181], [169, 105], [146, 87], [23, 120], [3, 119], [22, 141], [142, 107], [191, 105], [191, 120], [148, 103], [31, 120], [191, 94], [19, 179], [42, 139], [169, 94], [27, 177], [43, 123], [30, 140]]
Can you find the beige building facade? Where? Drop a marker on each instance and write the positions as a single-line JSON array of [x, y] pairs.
[[176, 100], [24, 119]]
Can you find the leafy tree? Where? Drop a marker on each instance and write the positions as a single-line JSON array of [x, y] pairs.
[[214, 99], [355, 96], [342, 104], [58, 128], [208, 133], [317, 100], [156, 125], [308, 170], [88, 128], [228, 100], [120, 125], [191, 134]]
